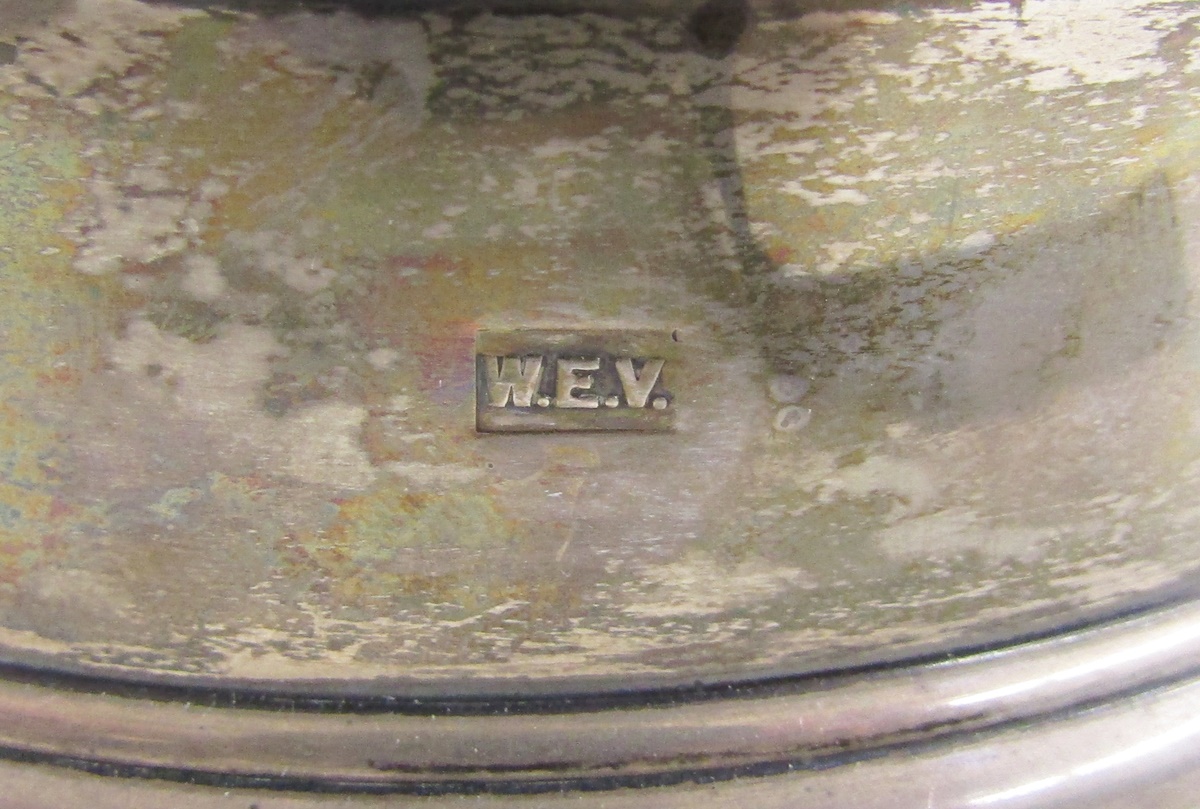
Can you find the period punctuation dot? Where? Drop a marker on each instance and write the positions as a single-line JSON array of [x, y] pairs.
[[660, 403], [612, 401], [543, 402]]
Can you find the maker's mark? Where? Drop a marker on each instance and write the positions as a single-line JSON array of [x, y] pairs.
[[548, 380]]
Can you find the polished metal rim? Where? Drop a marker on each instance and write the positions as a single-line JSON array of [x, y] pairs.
[[1135, 752], [819, 723]]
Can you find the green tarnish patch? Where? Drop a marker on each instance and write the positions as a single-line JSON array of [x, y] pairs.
[[414, 549], [48, 324], [193, 72]]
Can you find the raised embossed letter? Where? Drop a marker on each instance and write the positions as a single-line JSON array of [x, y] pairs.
[[515, 376], [570, 381], [637, 389]]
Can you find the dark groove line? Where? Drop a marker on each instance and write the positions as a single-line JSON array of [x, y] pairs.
[[540, 785], [267, 696]]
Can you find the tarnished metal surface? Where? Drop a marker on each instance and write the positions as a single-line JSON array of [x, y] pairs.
[[932, 268], [539, 747], [1137, 753]]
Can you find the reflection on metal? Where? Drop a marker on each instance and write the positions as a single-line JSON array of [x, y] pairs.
[[536, 380], [934, 389], [934, 272], [540, 746], [1135, 753]]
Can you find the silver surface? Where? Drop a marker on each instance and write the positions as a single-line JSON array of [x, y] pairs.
[[1141, 752], [571, 744], [914, 525], [933, 271]]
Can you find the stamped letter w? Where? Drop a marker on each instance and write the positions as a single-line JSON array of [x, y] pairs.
[[518, 376]]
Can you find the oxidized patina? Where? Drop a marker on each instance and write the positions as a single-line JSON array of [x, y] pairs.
[[925, 267]]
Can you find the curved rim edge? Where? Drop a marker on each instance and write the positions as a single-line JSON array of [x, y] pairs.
[[835, 719]]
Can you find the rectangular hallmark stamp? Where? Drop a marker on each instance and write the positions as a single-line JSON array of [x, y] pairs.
[[543, 380]]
